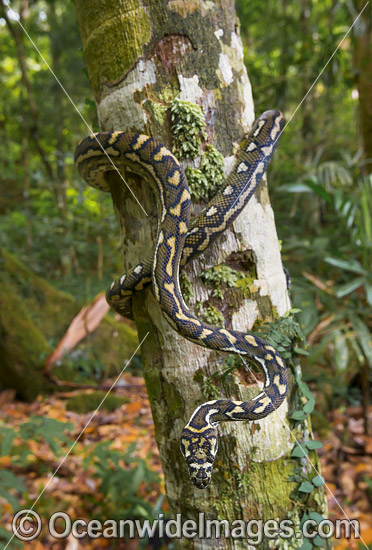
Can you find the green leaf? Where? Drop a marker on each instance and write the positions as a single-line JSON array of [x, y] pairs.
[[306, 487], [298, 415], [298, 452], [357, 350], [300, 351], [8, 481], [7, 440], [6, 535], [304, 518], [294, 188], [346, 265], [49, 429], [318, 481], [306, 545], [304, 388], [319, 190], [89, 102], [368, 289], [319, 541], [314, 515], [341, 351], [312, 444], [364, 337], [349, 287], [309, 406]]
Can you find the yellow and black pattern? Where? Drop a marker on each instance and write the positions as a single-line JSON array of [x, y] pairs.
[[177, 243]]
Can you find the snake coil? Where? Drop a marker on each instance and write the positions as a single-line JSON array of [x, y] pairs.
[[178, 242]]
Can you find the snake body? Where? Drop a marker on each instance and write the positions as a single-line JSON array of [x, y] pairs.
[[177, 243]]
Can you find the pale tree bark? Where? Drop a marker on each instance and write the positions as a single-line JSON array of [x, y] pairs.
[[139, 56]]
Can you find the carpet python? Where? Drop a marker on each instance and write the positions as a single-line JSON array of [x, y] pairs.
[[178, 242]]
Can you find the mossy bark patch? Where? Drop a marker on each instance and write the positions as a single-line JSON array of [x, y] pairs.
[[50, 309], [246, 484], [22, 346], [105, 27], [32, 311], [43, 314]]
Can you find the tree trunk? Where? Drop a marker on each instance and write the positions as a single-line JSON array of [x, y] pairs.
[[307, 110], [363, 62], [139, 59], [18, 37]]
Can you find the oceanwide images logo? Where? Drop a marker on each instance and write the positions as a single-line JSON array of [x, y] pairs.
[[27, 525]]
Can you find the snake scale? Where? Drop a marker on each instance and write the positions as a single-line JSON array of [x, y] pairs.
[[178, 242]]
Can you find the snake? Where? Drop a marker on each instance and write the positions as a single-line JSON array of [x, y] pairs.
[[179, 241]]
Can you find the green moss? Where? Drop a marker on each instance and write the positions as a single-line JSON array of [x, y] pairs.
[[210, 315], [153, 385], [102, 353], [246, 285], [113, 342], [210, 390], [205, 181], [197, 181], [187, 127], [186, 287], [188, 131], [199, 376], [86, 402], [167, 94], [213, 165], [50, 309], [159, 112], [247, 485], [104, 27], [23, 347], [220, 276], [174, 402]]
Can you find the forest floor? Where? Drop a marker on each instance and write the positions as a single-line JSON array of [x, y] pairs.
[[77, 487]]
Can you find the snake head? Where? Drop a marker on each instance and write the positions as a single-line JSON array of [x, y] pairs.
[[199, 450]]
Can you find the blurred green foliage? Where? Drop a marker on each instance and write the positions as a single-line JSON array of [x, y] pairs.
[[120, 485], [124, 480], [321, 190], [49, 217]]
